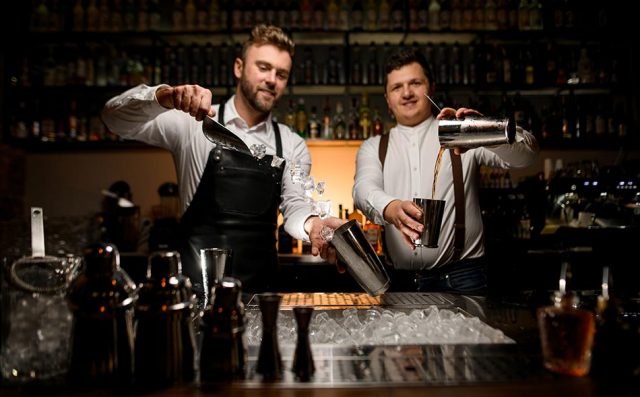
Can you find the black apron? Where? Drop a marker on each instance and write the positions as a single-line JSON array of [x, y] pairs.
[[235, 206]]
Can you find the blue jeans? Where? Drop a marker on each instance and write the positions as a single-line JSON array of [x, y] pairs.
[[467, 276]]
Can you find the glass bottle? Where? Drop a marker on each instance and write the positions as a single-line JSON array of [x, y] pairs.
[[314, 125], [378, 126], [302, 126], [566, 332], [327, 125], [339, 124]]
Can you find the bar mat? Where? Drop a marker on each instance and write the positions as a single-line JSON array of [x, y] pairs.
[[337, 300]]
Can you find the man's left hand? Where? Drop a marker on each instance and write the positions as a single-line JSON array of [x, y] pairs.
[[319, 245]]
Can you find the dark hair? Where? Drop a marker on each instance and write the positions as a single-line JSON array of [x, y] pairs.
[[405, 57], [269, 34]]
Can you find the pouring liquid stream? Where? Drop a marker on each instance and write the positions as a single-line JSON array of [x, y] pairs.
[[436, 169]]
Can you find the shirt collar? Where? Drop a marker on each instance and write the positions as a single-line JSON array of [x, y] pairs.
[[231, 116], [416, 129]]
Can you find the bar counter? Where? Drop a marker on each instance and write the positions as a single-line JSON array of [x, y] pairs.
[[504, 369]]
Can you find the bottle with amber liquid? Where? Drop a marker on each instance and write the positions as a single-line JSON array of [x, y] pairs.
[[373, 232], [566, 332]]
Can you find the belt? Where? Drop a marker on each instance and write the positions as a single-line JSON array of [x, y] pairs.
[[443, 271]]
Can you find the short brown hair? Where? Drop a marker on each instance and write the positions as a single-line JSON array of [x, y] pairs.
[[269, 34], [405, 57]]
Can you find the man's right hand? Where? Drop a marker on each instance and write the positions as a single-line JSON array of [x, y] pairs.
[[191, 99], [404, 216]]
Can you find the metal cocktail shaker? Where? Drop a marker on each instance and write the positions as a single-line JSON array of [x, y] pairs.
[[223, 356], [101, 300], [165, 337], [476, 132], [360, 258]]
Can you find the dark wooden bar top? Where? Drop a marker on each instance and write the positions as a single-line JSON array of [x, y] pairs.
[[511, 369]]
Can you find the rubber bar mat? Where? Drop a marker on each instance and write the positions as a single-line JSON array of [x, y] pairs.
[[343, 300]]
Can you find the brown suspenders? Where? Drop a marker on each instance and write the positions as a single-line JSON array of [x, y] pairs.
[[458, 190]]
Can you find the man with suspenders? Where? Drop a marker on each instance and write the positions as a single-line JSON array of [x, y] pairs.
[[394, 168], [231, 198]]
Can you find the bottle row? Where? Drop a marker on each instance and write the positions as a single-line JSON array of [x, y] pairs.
[[78, 120], [316, 15], [564, 120], [548, 64]]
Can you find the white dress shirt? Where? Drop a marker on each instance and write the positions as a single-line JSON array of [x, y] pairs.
[[136, 114], [409, 172]]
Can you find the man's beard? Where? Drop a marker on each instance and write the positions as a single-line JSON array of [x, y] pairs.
[[252, 98]]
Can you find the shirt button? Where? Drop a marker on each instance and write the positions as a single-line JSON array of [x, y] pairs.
[[415, 168]]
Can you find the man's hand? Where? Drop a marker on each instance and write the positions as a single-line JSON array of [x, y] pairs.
[[404, 216], [191, 99], [460, 114], [313, 226]]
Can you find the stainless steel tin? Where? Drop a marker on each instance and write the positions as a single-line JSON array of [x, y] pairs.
[[476, 132], [360, 257]]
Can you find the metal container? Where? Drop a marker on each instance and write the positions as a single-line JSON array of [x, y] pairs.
[[165, 335], [362, 262], [476, 132], [36, 321], [102, 300]]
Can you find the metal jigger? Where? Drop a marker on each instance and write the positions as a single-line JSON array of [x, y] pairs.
[[269, 359], [303, 366], [223, 354]]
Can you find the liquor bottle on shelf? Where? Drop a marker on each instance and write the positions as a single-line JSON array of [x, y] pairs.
[[314, 125], [290, 117], [434, 15], [327, 126], [355, 131], [306, 14], [445, 15], [371, 16], [378, 126], [333, 16], [78, 17], [356, 65], [365, 118], [190, 15], [332, 72], [356, 215], [117, 16], [384, 22], [397, 16], [319, 16], [373, 232], [372, 66], [104, 16], [310, 75], [344, 15], [339, 124], [302, 126], [356, 18]]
